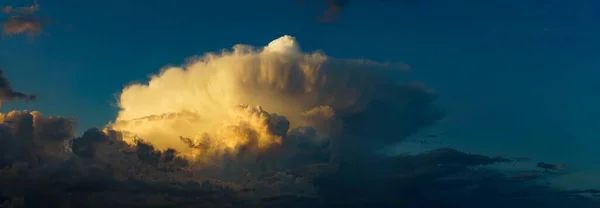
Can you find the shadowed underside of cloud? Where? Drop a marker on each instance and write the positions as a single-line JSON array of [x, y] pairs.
[[268, 127]]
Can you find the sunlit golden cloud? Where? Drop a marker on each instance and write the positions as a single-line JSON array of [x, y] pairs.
[[249, 97]]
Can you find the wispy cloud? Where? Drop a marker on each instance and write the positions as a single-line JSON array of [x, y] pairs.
[[22, 20], [17, 25], [21, 10]]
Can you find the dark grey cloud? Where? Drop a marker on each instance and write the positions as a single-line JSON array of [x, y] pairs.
[[44, 164], [7, 93], [33, 138], [332, 8], [440, 178]]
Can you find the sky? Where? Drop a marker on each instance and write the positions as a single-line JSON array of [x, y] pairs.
[[517, 78]]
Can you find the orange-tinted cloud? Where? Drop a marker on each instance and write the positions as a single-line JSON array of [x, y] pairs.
[[22, 20], [21, 10], [17, 25]]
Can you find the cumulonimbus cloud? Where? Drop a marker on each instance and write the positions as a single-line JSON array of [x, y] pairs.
[[262, 126], [250, 98]]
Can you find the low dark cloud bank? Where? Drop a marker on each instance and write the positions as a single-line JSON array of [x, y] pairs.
[[328, 160]]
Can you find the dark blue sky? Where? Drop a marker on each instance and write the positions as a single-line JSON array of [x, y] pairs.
[[516, 76]]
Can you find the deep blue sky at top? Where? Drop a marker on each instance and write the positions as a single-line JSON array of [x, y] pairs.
[[522, 74]]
